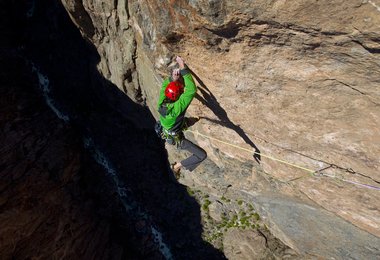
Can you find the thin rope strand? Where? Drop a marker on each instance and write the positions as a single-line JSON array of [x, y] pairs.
[[312, 172]]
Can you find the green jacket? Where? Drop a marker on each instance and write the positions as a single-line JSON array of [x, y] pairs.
[[175, 112]]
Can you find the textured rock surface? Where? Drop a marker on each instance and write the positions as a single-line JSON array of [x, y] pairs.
[[106, 25], [327, 236], [308, 229], [297, 79], [245, 245]]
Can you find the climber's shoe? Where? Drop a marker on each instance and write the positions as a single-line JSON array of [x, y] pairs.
[[176, 172]]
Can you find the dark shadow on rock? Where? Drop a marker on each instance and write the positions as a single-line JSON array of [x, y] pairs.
[[190, 121], [209, 100], [121, 130]]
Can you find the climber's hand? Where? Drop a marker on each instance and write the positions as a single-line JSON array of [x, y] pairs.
[[180, 62], [175, 74]]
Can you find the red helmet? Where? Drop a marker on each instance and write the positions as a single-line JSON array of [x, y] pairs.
[[174, 90]]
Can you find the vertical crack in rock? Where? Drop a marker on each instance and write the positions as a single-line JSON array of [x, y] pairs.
[[138, 95]]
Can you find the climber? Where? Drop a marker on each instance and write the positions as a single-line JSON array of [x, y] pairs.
[[176, 94]]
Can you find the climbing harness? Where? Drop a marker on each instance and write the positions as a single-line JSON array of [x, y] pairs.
[[312, 173], [171, 137]]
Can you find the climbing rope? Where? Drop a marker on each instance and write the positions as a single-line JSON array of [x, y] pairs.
[[311, 172]]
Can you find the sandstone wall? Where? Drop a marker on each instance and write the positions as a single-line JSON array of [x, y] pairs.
[[298, 79]]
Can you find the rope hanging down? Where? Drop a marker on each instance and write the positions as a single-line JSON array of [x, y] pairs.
[[312, 172]]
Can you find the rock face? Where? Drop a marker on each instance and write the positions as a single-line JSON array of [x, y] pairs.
[[299, 80], [296, 80]]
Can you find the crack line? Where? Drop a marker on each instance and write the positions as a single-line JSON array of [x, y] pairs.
[[347, 85], [354, 89]]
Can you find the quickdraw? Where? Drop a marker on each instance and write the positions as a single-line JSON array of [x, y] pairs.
[[171, 137]]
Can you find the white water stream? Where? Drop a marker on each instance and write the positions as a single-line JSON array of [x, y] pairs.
[[130, 205], [45, 87]]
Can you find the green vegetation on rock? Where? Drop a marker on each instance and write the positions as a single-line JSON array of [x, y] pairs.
[[240, 215]]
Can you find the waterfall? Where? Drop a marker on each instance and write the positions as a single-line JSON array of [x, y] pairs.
[[45, 87], [125, 195], [130, 205]]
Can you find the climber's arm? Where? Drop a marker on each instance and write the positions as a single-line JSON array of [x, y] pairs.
[[162, 97], [189, 92]]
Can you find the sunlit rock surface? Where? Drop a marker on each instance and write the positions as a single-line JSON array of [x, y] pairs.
[[298, 80]]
